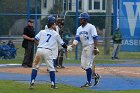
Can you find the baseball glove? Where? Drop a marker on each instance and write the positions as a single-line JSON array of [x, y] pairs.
[[96, 51]]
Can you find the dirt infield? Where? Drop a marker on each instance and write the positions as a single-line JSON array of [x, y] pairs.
[[75, 70]]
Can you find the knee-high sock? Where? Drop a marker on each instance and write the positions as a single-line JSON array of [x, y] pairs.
[[89, 73], [52, 77], [33, 74]]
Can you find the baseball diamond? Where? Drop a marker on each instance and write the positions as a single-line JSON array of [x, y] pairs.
[[115, 74]]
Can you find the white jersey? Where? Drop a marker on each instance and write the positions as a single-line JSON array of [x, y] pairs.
[[86, 34], [55, 51], [48, 38]]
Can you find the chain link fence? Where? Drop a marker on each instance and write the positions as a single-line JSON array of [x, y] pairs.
[[14, 15]]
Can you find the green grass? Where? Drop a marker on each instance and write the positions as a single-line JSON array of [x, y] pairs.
[[19, 87], [101, 58]]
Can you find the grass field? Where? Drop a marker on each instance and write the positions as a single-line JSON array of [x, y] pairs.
[[18, 87], [71, 55]]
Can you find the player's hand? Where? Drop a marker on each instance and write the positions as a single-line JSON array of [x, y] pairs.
[[96, 51], [69, 48]]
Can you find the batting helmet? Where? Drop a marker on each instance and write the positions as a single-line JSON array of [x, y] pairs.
[[51, 19], [84, 16]]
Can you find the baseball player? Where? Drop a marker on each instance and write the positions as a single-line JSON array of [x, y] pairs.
[[55, 51], [46, 40], [59, 29], [87, 35]]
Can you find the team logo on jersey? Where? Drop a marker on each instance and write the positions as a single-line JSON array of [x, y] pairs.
[[83, 32]]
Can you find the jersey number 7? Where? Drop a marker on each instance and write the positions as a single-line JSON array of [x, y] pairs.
[[48, 37]]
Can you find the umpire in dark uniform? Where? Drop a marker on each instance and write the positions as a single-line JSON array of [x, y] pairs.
[[28, 44]]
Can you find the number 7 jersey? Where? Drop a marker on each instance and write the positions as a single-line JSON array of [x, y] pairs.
[[49, 38]]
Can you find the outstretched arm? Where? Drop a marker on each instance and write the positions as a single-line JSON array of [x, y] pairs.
[[70, 47], [75, 42]]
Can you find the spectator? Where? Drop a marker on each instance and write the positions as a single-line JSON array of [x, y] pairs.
[[11, 44], [117, 39]]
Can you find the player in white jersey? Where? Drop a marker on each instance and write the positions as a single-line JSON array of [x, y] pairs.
[[87, 35], [55, 51], [47, 40]]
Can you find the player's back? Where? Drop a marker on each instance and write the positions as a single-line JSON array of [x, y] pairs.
[[48, 39]]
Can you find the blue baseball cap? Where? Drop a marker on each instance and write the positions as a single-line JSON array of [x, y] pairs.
[[51, 19], [84, 16]]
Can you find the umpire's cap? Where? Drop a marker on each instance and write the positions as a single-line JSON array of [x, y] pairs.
[[51, 19], [31, 21], [84, 16]]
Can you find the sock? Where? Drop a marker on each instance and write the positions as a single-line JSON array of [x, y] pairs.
[[33, 74], [54, 62], [52, 77], [89, 73], [94, 74]]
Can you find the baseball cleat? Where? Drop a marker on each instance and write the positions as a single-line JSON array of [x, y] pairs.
[[116, 58], [62, 67], [54, 87], [97, 78], [32, 84], [86, 85]]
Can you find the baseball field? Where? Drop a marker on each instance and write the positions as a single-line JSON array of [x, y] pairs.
[[16, 87], [118, 76]]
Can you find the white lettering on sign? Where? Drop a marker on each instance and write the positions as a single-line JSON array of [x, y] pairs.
[[132, 16], [131, 42]]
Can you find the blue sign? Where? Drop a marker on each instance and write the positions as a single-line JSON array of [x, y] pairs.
[[130, 25]]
